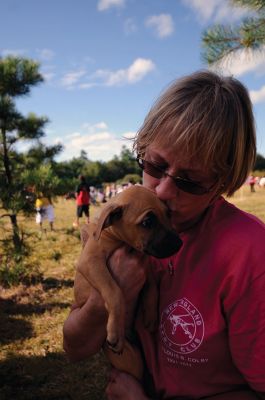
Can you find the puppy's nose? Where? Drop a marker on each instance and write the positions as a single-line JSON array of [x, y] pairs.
[[166, 246]]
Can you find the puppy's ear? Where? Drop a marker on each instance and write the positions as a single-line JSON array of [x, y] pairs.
[[110, 214]]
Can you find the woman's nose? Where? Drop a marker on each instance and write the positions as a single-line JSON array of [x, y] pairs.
[[166, 189]]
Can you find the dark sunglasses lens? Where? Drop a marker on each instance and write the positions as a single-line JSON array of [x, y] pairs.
[[182, 184], [150, 169], [190, 187]]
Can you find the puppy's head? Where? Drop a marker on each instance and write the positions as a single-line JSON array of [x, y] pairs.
[[137, 217]]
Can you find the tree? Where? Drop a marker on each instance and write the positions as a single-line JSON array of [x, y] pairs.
[[220, 41], [17, 76], [260, 163], [40, 154]]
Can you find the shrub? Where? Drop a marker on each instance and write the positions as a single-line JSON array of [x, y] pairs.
[[14, 270]]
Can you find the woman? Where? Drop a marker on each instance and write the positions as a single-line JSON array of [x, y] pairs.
[[197, 143]]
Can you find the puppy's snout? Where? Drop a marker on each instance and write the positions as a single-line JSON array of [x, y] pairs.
[[164, 246]]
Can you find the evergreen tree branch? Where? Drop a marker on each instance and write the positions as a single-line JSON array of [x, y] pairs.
[[257, 5], [219, 41]]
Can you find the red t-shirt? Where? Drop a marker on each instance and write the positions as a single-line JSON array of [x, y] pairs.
[[82, 195], [211, 337]]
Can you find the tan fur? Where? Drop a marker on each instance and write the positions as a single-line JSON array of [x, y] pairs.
[[122, 220]]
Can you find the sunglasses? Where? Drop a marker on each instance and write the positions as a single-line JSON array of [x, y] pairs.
[[181, 183]]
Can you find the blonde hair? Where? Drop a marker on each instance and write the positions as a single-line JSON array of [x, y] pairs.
[[211, 117]]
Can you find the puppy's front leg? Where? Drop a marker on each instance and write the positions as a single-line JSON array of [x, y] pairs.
[[95, 272]]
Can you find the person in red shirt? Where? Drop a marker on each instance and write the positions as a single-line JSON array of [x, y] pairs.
[[82, 200], [196, 144]]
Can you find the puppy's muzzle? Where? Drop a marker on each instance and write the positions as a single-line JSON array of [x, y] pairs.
[[165, 246]]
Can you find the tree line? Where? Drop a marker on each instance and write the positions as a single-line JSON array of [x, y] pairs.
[[28, 173], [25, 174]]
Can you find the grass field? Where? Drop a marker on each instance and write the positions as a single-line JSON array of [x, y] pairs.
[[33, 365]]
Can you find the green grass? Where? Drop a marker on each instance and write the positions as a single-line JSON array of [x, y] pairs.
[[32, 362]]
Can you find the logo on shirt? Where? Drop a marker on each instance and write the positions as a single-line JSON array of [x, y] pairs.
[[182, 327]]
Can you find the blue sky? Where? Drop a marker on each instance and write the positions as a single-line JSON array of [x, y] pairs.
[[106, 61]]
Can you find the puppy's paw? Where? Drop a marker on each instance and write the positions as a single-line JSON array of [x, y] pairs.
[[115, 331], [116, 347]]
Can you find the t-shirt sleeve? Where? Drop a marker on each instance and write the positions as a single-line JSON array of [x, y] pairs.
[[247, 333]]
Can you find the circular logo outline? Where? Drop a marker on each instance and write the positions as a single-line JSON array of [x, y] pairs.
[[179, 321]]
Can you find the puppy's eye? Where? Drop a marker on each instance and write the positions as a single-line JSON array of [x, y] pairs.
[[149, 221]]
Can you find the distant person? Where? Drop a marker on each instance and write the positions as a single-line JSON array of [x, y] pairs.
[[45, 210], [93, 196], [262, 182], [101, 198], [252, 181], [82, 200]]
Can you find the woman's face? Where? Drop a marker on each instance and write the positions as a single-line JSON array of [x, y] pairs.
[[186, 208]]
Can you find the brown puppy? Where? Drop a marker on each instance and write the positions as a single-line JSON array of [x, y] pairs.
[[135, 217]]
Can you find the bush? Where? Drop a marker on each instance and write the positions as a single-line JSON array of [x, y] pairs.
[[133, 178], [15, 270]]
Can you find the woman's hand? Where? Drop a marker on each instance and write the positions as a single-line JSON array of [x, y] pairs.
[[122, 386], [85, 328], [128, 268]]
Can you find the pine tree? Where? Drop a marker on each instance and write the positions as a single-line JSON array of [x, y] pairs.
[[219, 41], [17, 76]]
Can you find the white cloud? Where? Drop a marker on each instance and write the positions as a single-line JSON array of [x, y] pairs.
[[106, 4], [94, 127], [43, 54], [215, 10], [13, 52], [241, 62], [102, 77], [48, 76], [101, 125], [96, 140], [70, 79], [136, 72], [129, 135], [162, 24], [87, 85], [128, 76], [98, 143], [257, 96], [139, 69], [73, 135], [82, 141]]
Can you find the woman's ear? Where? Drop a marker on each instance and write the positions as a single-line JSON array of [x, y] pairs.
[[110, 214]]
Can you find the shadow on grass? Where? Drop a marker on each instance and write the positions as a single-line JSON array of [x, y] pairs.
[[52, 377], [51, 283], [11, 307], [13, 327]]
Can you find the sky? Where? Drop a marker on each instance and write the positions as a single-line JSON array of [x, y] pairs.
[[106, 61]]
